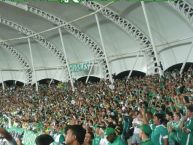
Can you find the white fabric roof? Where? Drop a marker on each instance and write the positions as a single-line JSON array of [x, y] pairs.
[[172, 35]]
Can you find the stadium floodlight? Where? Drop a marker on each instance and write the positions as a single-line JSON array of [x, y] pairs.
[[17, 4]]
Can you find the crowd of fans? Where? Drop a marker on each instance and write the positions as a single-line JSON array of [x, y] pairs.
[[150, 110]]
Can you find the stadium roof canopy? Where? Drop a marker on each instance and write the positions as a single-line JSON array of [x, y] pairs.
[[99, 38]]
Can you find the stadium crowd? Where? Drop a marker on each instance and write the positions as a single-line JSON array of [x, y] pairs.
[[148, 110]]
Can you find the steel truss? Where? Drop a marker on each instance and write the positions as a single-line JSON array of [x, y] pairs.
[[98, 52], [24, 63], [184, 8], [38, 38], [124, 24]]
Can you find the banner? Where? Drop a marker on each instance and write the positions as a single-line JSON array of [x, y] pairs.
[[28, 137]]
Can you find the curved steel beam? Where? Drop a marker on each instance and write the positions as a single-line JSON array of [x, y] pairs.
[[184, 8], [39, 39], [87, 40], [124, 24], [23, 62]]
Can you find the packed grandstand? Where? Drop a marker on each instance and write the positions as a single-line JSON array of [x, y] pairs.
[[96, 106]]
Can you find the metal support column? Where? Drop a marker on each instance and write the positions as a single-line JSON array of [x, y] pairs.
[[53, 77], [151, 37], [128, 77], [90, 71], [102, 43], [64, 50], [2, 81], [184, 63], [31, 55]]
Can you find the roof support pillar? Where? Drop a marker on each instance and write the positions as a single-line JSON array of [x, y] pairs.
[[31, 56], [103, 47], [151, 38], [65, 55], [130, 72], [90, 71], [53, 77]]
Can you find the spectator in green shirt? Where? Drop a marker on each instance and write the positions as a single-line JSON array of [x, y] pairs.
[[112, 138], [187, 130], [176, 128], [97, 135], [159, 135], [145, 135], [169, 117]]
